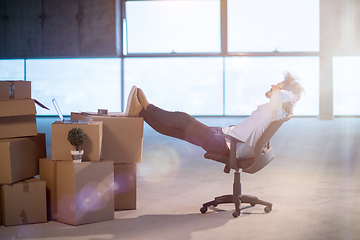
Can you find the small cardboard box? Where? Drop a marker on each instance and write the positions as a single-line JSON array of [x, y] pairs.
[[125, 186], [24, 202], [17, 118], [61, 147], [123, 136], [19, 157], [15, 90], [80, 193]]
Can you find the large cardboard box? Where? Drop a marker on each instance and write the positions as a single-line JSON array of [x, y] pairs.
[[80, 193], [0, 207], [15, 90], [24, 202], [123, 136], [17, 118], [125, 186], [61, 147], [19, 157], [48, 173]]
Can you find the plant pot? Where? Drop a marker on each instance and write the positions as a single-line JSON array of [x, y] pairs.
[[77, 155]]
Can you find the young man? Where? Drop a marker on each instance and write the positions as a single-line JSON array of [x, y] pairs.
[[181, 125]]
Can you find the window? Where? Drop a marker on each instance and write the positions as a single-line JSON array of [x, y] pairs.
[[247, 79], [77, 84], [193, 85], [173, 26], [277, 25], [12, 69]]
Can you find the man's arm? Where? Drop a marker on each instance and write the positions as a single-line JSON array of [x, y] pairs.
[[278, 98]]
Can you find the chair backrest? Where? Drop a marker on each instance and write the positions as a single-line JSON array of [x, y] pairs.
[[263, 155]]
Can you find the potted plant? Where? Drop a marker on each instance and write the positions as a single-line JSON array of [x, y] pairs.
[[76, 137]]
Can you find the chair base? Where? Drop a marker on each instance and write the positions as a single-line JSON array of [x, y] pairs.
[[252, 200]]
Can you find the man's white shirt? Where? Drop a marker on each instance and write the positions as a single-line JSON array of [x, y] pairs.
[[250, 130]]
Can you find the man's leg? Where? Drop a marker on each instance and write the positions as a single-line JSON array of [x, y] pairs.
[[161, 127], [181, 125], [173, 119], [166, 120]]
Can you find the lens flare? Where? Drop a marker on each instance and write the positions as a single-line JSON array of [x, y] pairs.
[[123, 182], [92, 197], [159, 165]]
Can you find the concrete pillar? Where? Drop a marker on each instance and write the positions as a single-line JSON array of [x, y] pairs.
[[326, 88]]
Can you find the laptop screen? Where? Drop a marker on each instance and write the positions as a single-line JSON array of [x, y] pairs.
[[57, 109], [62, 117]]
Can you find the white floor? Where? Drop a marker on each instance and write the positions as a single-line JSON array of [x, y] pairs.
[[313, 183]]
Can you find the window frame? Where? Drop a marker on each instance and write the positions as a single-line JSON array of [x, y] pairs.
[[223, 41]]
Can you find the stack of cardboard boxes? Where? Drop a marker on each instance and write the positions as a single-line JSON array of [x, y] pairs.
[[22, 197], [122, 144], [105, 180], [67, 192]]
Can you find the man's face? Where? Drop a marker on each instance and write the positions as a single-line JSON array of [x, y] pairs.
[[274, 88]]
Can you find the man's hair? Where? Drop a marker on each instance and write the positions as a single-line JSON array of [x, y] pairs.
[[291, 83]]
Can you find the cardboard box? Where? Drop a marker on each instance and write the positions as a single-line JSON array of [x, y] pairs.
[[17, 118], [80, 193], [86, 187], [0, 207], [125, 186], [61, 147], [24, 202], [122, 136], [14, 108], [19, 157], [47, 173], [15, 90]]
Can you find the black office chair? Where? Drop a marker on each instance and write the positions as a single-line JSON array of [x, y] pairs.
[[263, 155]]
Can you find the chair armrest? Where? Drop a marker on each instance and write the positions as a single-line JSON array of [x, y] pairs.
[[229, 137], [233, 143]]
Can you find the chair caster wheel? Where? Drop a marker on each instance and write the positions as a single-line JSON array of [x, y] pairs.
[[203, 209], [236, 214], [267, 209]]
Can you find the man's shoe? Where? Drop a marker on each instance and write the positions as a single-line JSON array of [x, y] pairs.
[[133, 106], [142, 99]]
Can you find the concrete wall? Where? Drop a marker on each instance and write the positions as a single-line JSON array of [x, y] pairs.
[[57, 28]]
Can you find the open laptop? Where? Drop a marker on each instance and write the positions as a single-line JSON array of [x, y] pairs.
[[56, 106]]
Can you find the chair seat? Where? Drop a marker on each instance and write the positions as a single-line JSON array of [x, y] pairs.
[[242, 163]]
